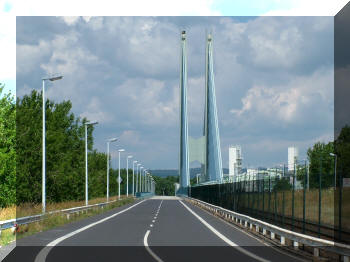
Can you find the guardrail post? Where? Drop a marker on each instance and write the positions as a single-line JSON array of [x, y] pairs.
[[316, 252], [256, 228], [250, 226], [264, 231], [283, 240], [245, 224], [346, 259], [295, 244], [272, 234], [68, 216], [0, 230]]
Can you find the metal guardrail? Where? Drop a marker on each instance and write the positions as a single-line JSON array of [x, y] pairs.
[[273, 231], [13, 223]]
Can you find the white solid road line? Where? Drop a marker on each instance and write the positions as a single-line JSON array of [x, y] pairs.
[[41, 257], [149, 249], [228, 241]]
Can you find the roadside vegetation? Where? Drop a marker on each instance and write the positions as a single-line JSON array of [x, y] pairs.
[[21, 163], [165, 185], [21, 156], [55, 220]]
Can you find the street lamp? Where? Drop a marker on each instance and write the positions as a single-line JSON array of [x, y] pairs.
[[86, 161], [141, 167], [133, 175], [127, 175], [109, 141], [144, 179], [120, 150], [44, 147], [137, 178], [148, 182], [335, 168]]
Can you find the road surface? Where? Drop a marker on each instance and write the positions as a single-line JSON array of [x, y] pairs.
[[157, 229]]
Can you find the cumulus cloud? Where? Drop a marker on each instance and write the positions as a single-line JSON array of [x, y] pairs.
[[295, 101], [271, 81]]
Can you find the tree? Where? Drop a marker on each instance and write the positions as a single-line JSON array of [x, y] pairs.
[[65, 150], [7, 149], [321, 163], [165, 185], [342, 149]]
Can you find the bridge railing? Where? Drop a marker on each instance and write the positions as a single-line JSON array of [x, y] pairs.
[[275, 232]]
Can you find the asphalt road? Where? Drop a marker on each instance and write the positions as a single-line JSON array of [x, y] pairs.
[[150, 230]]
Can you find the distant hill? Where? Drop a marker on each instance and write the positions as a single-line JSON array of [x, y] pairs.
[[164, 172], [175, 172]]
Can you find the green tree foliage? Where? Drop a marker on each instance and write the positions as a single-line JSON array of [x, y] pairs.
[[321, 163], [65, 153], [7, 149], [165, 185], [342, 149], [282, 185]]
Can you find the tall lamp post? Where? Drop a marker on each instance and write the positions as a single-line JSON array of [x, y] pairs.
[[119, 151], [335, 169], [86, 162], [108, 142], [44, 144], [148, 182], [141, 167], [144, 180], [133, 177], [138, 177], [127, 175]]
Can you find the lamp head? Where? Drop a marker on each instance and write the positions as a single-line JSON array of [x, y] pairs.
[[91, 123], [53, 78], [121, 150], [112, 139]]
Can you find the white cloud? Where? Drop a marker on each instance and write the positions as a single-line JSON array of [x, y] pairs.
[[150, 101], [71, 20], [30, 56], [68, 57], [94, 112], [124, 72], [294, 101]]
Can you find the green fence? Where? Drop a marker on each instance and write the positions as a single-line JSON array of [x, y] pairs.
[[286, 202]]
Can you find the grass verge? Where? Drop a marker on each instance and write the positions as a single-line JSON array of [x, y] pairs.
[[52, 221]]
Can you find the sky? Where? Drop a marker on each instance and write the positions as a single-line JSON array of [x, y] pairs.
[[273, 75]]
